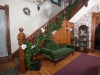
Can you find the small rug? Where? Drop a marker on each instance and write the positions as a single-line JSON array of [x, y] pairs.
[[82, 65], [11, 71]]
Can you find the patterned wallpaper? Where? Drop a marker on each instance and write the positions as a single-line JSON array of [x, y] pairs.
[[86, 19]]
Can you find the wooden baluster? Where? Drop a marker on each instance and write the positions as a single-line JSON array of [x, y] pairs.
[[46, 29], [85, 3], [21, 40], [32, 39]]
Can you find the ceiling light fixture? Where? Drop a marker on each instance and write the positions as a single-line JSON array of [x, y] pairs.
[[39, 3]]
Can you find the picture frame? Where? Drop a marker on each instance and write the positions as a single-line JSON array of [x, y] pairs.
[[57, 2]]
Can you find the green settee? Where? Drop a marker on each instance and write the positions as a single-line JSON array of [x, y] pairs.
[[54, 52]]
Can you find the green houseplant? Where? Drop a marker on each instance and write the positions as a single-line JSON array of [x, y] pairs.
[[75, 42], [29, 53]]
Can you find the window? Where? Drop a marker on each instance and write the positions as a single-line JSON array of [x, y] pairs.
[[57, 2], [4, 22]]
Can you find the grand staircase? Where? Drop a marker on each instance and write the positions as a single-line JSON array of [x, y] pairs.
[[32, 38]]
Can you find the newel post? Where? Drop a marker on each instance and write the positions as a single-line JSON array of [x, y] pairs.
[[21, 40]]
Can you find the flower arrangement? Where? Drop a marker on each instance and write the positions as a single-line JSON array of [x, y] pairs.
[[33, 49], [29, 52]]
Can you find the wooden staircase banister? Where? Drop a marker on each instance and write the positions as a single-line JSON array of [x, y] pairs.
[[45, 26], [72, 12], [21, 40], [47, 23], [32, 38], [75, 9]]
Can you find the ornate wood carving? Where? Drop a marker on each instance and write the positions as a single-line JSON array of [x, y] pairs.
[[21, 40]]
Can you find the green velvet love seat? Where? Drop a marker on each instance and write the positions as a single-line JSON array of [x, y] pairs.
[[54, 52]]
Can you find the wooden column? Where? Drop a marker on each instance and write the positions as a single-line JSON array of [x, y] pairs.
[[21, 40]]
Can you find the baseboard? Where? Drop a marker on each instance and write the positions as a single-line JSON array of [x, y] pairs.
[[6, 59], [9, 58], [15, 54]]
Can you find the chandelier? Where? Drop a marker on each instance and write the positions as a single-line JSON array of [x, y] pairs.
[[39, 3]]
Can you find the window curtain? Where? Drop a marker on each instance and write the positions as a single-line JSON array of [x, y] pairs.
[[3, 46]]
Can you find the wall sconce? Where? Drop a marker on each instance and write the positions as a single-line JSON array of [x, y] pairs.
[[39, 3], [68, 28]]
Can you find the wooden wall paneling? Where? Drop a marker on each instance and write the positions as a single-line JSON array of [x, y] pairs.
[[64, 35], [72, 32], [6, 59]]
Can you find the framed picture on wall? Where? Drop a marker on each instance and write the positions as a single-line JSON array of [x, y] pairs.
[[57, 2]]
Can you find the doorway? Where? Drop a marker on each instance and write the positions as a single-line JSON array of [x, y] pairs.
[[97, 38]]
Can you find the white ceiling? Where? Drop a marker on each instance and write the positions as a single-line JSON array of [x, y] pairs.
[[96, 1], [29, 1]]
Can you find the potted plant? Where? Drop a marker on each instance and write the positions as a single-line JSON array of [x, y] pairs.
[[75, 42], [29, 53]]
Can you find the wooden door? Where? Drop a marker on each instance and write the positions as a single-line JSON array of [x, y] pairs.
[[95, 23]]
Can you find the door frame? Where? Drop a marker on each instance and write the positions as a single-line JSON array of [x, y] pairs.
[[95, 23], [8, 42]]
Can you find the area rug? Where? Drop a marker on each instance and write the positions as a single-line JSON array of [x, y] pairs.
[[83, 65], [11, 71]]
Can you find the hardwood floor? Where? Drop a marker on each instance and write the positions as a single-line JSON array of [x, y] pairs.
[[48, 68]]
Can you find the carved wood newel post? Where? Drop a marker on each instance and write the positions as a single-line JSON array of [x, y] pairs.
[[21, 40]]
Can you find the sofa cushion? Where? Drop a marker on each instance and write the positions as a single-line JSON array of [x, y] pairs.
[[61, 52], [69, 46], [47, 45], [50, 44], [63, 46]]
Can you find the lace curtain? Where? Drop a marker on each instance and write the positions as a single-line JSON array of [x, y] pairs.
[[3, 47]]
